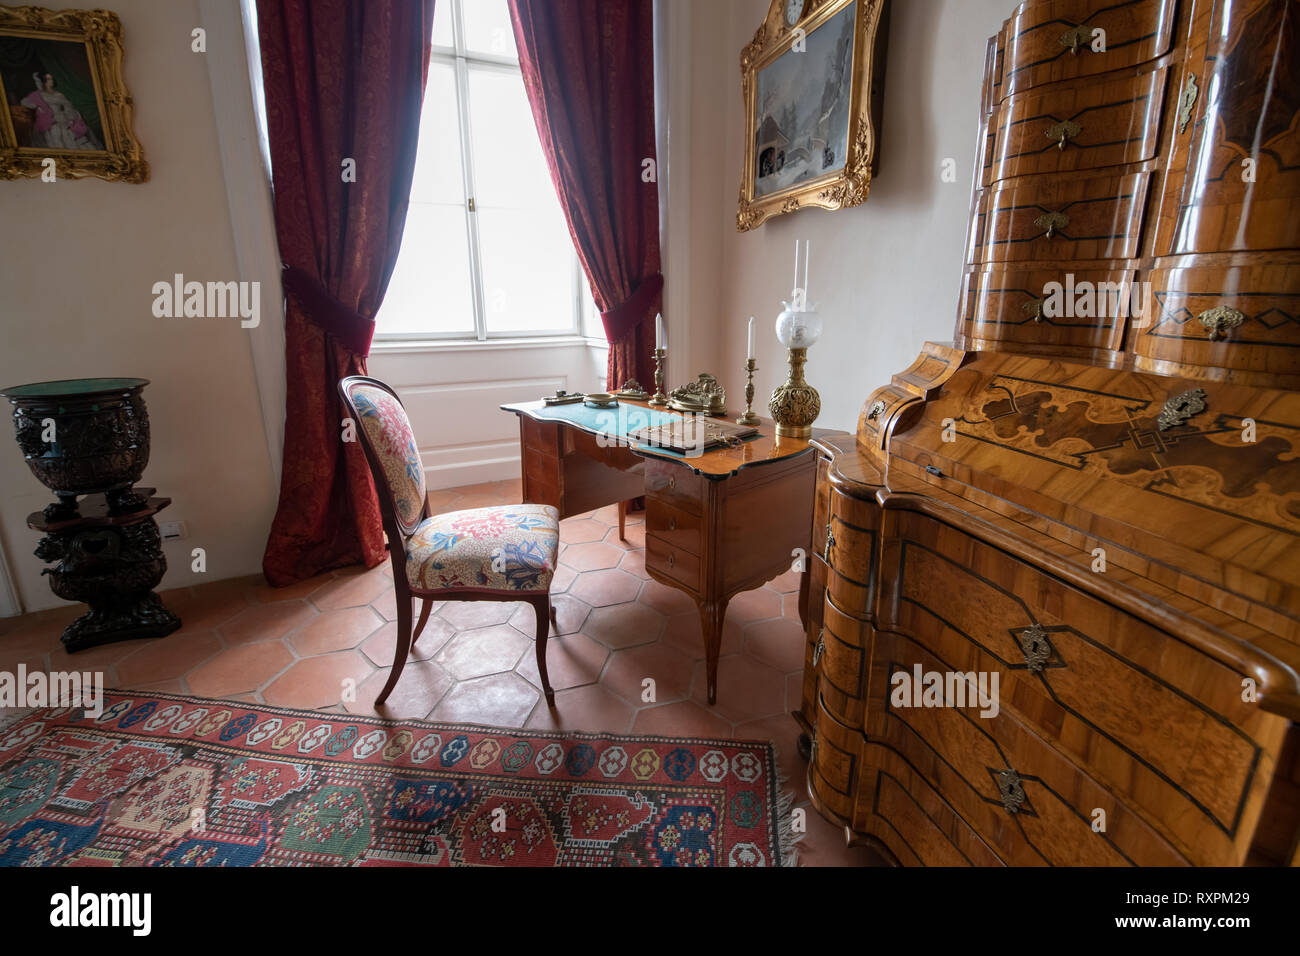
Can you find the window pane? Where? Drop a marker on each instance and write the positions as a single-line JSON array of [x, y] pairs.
[[442, 23], [487, 28], [527, 260], [430, 290], [524, 246]]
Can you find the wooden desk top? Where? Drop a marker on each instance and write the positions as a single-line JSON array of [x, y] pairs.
[[716, 463]]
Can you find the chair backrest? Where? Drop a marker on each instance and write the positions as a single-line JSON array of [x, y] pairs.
[[390, 448]]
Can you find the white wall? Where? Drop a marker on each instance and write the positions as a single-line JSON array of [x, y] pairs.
[[79, 260], [884, 274]]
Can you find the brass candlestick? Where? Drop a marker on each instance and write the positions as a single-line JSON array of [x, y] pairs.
[[796, 404], [659, 397], [749, 418]]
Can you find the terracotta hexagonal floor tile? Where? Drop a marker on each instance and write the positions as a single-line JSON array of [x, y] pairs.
[[602, 588], [757, 605], [319, 681], [591, 708], [823, 844], [380, 646], [747, 688], [562, 580], [664, 599], [779, 642], [99, 658], [787, 582], [463, 615], [499, 700], [570, 662], [239, 670], [794, 691], [668, 667], [607, 516], [633, 538], [581, 530], [624, 625], [168, 658], [683, 632], [592, 556], [208, 606], [351, 590], [266, 622], [263, 593], [482, 651], [335, 630], [570, 615], [386, 605], [684, 718], [634, 563], [419, 688]]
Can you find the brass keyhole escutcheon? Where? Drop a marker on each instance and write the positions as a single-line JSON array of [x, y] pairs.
[[672, 482], [672, 560], [1033, 309], [672, 524], [1076, 37]]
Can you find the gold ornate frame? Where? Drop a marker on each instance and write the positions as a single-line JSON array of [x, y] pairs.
[[122, 159], [849, 185]]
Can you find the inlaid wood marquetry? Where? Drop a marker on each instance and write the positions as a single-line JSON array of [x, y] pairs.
[[1090, 501]]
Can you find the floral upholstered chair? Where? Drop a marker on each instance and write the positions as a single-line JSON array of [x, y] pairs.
[[503, 553]]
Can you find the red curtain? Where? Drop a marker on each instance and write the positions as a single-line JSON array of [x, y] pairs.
[[344, 83], [588, 68]]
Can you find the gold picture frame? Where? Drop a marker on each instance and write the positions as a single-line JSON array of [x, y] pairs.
[[820, 154], [86, 130]]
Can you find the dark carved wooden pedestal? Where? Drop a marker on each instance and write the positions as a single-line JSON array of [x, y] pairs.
[[111, 562]]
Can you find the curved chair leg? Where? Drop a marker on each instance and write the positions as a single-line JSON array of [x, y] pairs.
[[545, 615], [424, 617], [403, 643], [554, 623]]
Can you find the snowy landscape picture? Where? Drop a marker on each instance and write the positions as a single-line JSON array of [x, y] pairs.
[[801, 129]]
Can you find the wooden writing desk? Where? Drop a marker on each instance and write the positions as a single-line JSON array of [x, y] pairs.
[[719, 523]]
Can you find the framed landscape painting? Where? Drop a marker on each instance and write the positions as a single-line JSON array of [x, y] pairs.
[[67, 113], [812, 84]]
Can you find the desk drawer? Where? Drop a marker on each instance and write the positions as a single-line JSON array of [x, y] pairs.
[[674, 484], [845, 642], [1029, 803], [673, 562], [835, 764], [675, 526], [1061, 218], [1162, 724], [1051, 40], [816, 599], [849, 546]]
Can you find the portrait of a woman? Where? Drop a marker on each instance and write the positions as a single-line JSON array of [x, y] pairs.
[[57, 123]]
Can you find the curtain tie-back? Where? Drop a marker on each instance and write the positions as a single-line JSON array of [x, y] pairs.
[[349, 329], [626, 316]]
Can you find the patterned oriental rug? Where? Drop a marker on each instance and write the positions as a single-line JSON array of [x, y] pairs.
[[165, 780]]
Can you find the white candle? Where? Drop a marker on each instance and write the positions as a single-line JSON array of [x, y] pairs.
[[659, 330], [795, 285], [807, 254], [751, 338]]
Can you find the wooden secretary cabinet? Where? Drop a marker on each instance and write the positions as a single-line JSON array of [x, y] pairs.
[[1100, 507]]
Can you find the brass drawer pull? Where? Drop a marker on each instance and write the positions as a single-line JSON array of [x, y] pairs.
[[672, 482], [1076, 37], [1033, 309], [876, 408], [820, 648], [1051, 222], [1062, 132], [1220, 320], [1010, 790], [672, 524], [830, 541], [1187, 102]]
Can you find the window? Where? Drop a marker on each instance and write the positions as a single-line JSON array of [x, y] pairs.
[[486, 252]]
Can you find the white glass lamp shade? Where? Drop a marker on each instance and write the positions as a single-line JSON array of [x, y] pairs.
[[798, 330]]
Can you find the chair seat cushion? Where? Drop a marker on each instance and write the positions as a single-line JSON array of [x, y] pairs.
[[503, 548]]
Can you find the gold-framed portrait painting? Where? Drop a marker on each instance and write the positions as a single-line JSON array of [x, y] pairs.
[[67, 112], [813, 80]]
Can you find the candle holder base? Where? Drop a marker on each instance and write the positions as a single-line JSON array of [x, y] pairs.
[[659, 399]]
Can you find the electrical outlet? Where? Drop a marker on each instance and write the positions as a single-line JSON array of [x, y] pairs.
[[171, 530]]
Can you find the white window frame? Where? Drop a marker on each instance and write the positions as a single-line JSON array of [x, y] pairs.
[[460, 58]]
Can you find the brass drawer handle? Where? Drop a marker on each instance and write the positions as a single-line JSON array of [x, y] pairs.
[[672, 559], [830, 541], [1187, 102], [1011, 790], [1051, 222], [820, 648], [672, 482], [1076, 37], [1220, 320], [1062, 132], [672, 524], [876, 408]]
